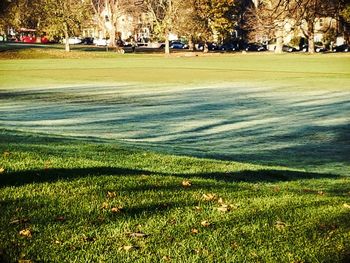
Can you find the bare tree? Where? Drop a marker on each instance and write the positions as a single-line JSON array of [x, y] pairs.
[[269, 18], [164, 14], [108, 12]]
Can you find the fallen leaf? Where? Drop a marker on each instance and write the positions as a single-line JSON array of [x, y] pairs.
[[2, 170], [220, 201], [88, 239], [47, 165], [346, 206], [194, 231], [198, 208], [205, 223], [26, 233], [166, 258], [137, 235], [196, 251], [234, 245], [19, 221], [111, 194], [276, 189], [320, 192], [128, 248], [104, 205], [280, 225], [186, 183], [116, 209], [223, 208], [60, 218], [209, 197]]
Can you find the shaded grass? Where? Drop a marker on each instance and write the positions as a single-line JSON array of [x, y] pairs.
[[63, 191]]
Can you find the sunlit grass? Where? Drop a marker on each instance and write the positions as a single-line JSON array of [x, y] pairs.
[[295, 71]]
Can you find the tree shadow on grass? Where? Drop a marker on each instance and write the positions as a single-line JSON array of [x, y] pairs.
[[55, 174]]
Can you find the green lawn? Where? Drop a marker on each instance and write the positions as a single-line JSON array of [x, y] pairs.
[[69, 198]]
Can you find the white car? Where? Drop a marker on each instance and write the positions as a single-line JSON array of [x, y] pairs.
[[101, 42], [72, 41]]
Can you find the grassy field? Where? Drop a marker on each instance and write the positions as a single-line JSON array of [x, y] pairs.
[[82, 195]]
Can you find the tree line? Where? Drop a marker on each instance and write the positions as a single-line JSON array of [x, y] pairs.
[[195, 20]]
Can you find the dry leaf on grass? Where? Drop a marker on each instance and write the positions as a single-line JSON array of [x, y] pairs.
[[137, 235], [198, 208], [223, 208], [186, 183], [227, 208], [280, 225], [194, 231], [25, 233], [346, 206], [104, 205], [2, 170], [209, 197], [128, 248], [60, 218], [166, 258], [111, 194], [116, 209], [205, 223], [19, 221]]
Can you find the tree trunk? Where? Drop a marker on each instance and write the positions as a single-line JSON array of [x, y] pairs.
[[191, 43], [112, 32], [279, 39], [167, 44], [311, 34], [66, 36], [205, 48]]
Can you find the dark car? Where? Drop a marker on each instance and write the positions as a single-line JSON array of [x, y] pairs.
[[210, 45], [318, 49], [228, 47], [255, 47], [87, 41], [289, 49], [342, 48], [178, 45]]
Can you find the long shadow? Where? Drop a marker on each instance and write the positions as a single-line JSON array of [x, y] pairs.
[[55, 174]]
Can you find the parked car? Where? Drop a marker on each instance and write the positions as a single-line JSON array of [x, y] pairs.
[[87, 41], [342, 48], [211, 46], [228, 47], [101, 42], [318, 49], [289, 49], [255, 47], [72, 40], [178, 45]]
